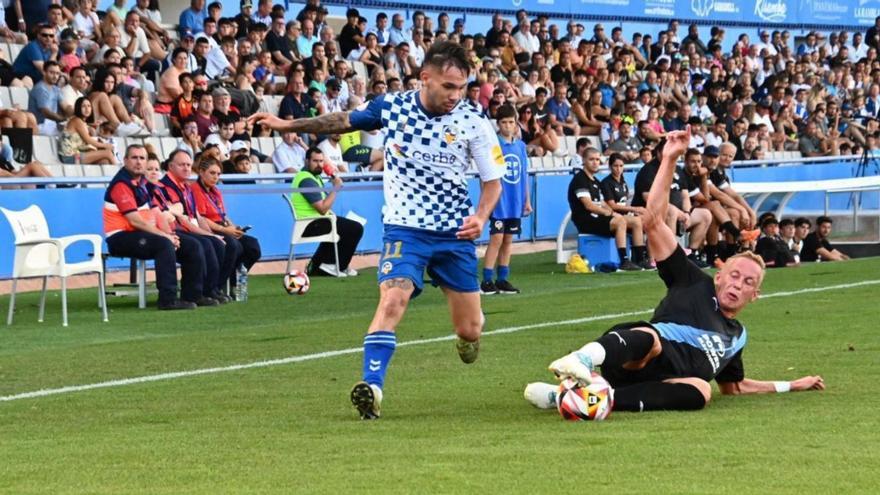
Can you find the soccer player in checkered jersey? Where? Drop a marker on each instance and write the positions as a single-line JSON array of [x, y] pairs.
[[432, 137], [693, 336]]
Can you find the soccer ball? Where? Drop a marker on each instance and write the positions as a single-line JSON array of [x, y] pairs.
[[585, 403], [297, 283]]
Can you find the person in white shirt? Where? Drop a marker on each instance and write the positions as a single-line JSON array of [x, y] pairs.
[[857, 50], [717, 135], [381, 30], [76, 87], [132, 37], [133, 40], [765, 44], [417, 47], [264, 13], [221, 138], [524, 36], [290, 155], [331, 100], [333, 152]]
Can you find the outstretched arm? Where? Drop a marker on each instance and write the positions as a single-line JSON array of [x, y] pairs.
[[329, 123], [472, 227], [661, 239], [748, 386]]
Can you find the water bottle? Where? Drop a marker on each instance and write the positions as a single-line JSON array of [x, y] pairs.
[[241, 290]]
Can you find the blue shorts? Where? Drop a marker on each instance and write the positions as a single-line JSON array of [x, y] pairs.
[[408, 252]]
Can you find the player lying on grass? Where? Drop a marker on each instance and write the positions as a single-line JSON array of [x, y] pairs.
[[693, 337]]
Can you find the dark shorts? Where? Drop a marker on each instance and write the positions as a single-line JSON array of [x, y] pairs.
[[357, 154], [600, 226], [408, 253], [504, 225], [677, 360]]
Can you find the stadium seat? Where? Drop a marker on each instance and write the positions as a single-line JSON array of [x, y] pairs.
[[571, 145], [72, 170], [4, 50], [45, 149], [163, 125], [595, 142], [37, 254], [360, 69], [169, 144], [14, 50], [273, 103], [299, 227], [94, 171], [19, 96], [265, 168], [109, 170], [56, 169], [267, 145], [125, 142], [535, 163], [558, 162], [156, 143], [5, 99], [597, 249]]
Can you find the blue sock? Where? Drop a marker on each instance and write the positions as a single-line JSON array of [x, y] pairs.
[[378, 349], [503, 272], [487, 274]]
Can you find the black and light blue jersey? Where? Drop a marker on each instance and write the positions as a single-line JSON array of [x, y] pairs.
[[690, 316]]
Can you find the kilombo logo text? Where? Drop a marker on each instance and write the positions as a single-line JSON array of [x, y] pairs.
[[771, 10]]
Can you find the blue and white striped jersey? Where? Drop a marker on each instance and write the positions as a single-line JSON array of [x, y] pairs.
[[427, 157]]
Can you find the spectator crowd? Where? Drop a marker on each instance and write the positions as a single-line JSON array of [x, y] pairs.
[[818, 96], [94, 77]]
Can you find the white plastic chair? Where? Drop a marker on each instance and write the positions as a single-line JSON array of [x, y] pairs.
[[299, 227], [39, 255]]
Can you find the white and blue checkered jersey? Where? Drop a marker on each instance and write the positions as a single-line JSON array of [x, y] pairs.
[[427, 157]]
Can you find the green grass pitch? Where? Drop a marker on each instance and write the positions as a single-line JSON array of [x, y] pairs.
[[446, 427]]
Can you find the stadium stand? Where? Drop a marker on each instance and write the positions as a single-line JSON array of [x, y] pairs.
[[814, 73]]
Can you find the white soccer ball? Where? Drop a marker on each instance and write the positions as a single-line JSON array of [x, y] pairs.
[[593, 402], [297, 283]]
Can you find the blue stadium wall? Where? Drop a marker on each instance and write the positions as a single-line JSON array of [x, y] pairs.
[[78, 211]]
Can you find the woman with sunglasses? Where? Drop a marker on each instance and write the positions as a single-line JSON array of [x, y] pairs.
[[532, 133]]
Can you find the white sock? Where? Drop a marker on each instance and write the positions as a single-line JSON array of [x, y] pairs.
[[595, 351]]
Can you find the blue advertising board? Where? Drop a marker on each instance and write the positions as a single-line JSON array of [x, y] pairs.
[[782, 12]]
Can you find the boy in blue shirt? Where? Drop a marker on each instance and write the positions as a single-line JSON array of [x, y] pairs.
[[514, 204]]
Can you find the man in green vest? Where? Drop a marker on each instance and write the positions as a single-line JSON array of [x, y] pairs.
[[313, 203]]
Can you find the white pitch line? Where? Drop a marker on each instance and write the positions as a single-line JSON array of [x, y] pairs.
[[353, 350]]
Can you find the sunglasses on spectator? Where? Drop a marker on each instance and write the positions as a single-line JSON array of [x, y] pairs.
[[47, 35]]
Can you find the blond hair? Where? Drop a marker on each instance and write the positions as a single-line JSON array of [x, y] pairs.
[[749, 255]]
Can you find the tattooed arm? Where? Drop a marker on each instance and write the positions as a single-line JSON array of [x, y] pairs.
[[329, 123]]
